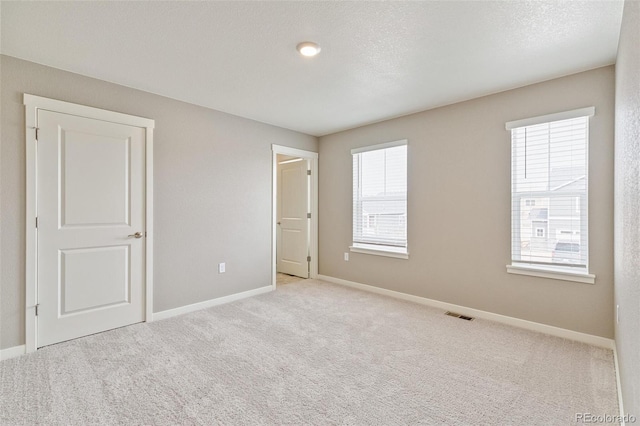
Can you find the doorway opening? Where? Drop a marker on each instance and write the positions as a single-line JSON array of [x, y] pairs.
[[294, 215]]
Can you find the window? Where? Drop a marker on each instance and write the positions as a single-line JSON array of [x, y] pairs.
[[380, 199], [549, 188]]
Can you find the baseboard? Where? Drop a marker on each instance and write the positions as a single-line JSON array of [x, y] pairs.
[[21, 350], [516, 322], [12, 352], [619, 385], [209, 303]]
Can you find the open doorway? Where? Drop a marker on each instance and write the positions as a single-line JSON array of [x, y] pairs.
[[294, 215]]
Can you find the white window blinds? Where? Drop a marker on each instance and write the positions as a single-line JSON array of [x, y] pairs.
[[380, 196], [549, 192]]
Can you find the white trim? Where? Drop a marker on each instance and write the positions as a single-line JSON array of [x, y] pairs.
[[618, 385], [401, 253], [385, 145], [12, 352], [210, 303], [516, 322], [293, 152], [86, 111], [32, 104], [313, 249], [149, 226], [31, 243], [565, 115], [541, 272]]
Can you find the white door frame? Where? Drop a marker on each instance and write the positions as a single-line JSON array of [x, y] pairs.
[[32, 105], [313, 194]]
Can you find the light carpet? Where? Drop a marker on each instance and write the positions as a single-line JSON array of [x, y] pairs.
[[282, 279], [310, 353]]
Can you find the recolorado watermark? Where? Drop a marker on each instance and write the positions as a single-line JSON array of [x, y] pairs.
[[604, 418]]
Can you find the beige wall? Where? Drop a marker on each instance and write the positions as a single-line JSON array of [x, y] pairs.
[[627, 206], [459, 206], [212, 190]]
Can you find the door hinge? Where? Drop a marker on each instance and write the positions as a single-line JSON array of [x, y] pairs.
[[308, 258], [308, 215], [308, 172], [36, 129], [37, 309], [36, 221]]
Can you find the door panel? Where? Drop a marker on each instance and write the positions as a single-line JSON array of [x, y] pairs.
[[93, 278], [291, 247], [90, 195], [293, 205], [81, 179]]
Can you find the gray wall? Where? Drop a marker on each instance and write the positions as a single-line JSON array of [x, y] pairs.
[[459, 206], [212, 190], [627, 206]]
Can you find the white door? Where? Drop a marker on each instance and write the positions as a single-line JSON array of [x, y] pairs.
[[90, 205], [293, 223]]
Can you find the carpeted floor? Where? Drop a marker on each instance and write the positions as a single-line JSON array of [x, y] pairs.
[[282, 279], [310, 353]]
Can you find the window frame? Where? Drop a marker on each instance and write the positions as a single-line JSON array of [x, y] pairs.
[[557, 272], [379, 249]]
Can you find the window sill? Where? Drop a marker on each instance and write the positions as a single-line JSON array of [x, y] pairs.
[[555, 274], [397, 252]]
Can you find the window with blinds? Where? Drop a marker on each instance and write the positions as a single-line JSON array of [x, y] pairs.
[[380, 197], [549, 188]]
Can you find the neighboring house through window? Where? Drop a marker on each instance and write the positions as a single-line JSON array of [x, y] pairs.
[[380, 199], [549, 192]]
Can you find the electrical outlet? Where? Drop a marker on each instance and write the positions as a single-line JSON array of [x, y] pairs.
[[221, 268], [617, 314], [346, 257]]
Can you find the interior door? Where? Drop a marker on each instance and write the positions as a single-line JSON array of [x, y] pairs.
[[91, 226], [293, 205]]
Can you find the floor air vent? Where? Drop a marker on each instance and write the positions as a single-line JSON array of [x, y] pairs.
[[464, 317]]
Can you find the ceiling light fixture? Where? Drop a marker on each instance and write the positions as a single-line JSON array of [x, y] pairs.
[[308, 48]]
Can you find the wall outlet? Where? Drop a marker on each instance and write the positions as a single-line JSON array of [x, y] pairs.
[[346, 257], [617, 314], [221, 268]]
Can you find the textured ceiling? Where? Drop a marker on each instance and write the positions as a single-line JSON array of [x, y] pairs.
[[379, 59]]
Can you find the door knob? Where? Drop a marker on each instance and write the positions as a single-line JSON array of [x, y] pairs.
[[136, 235]]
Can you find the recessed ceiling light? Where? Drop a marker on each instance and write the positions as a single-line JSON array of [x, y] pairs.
[[308, 48]]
